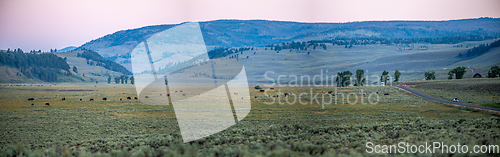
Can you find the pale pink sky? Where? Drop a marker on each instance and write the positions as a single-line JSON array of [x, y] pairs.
[[46, 24]]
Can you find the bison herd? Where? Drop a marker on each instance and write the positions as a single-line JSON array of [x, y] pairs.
[[91, 99]]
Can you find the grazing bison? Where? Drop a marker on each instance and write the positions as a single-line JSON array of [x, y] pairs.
[[91, 99], [129, 98], [135, 98], [63, 99], [146, 97], [32, 104], [330, 92], [286, 94], [168, 94], [386, 93], [183, 94], [120, 99], [31, 99], [47, 104], [80, 99], [160, 94], [104, 98], [180, 91], [262, 90], [255, 96], [271, 88]]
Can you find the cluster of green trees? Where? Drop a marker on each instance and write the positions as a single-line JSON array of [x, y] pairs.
[[344, 77], [122, 79], [479, 50], [389, 41], [385, 76], [18, 50], [93, 56], [43, 66], [459, 73], [35, 51], [296, 45], [430, 75], [494, 72], [232, 52]]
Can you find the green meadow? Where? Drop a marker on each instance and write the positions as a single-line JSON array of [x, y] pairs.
[[129, 128]]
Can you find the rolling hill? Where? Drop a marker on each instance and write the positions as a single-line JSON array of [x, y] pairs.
[[375, 57], [238, 33]]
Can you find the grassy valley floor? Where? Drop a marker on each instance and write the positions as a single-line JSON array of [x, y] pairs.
[[129, 128]]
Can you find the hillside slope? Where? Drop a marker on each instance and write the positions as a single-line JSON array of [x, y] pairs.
[[87, 73], [235, 33]]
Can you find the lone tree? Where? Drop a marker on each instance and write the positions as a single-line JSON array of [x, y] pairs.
[[385, 77], [494, 72], [360, 77], [75, 69], [458, 71], [344, 78], [132, 81], [122, 79], [397, 74], [430, 75], [109, 79], [117, 79], [258, 87], [126, 79]]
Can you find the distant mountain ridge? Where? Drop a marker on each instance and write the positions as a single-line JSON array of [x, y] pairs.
[[66, 49], [235, 33], [238, 33]]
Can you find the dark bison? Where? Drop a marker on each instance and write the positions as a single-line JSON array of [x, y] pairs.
[[129, 98], [286, 94], [168, 94], [135, 98], [262, 90], [47, 104], [31, 99], [91, 99], [120, 99], [63, 99], [386, 93], [160, 94], [146, 97], [32, 104], [80, 99], [183, 94], [104, 98], [330, 92]]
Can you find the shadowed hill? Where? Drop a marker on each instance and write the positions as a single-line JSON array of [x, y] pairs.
[[235, 33]]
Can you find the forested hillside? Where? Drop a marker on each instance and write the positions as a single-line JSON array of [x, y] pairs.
[[44, 66], [479, 50], [240, 33], [93, 58]]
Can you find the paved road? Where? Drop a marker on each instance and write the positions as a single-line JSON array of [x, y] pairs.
[[423, 95]]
